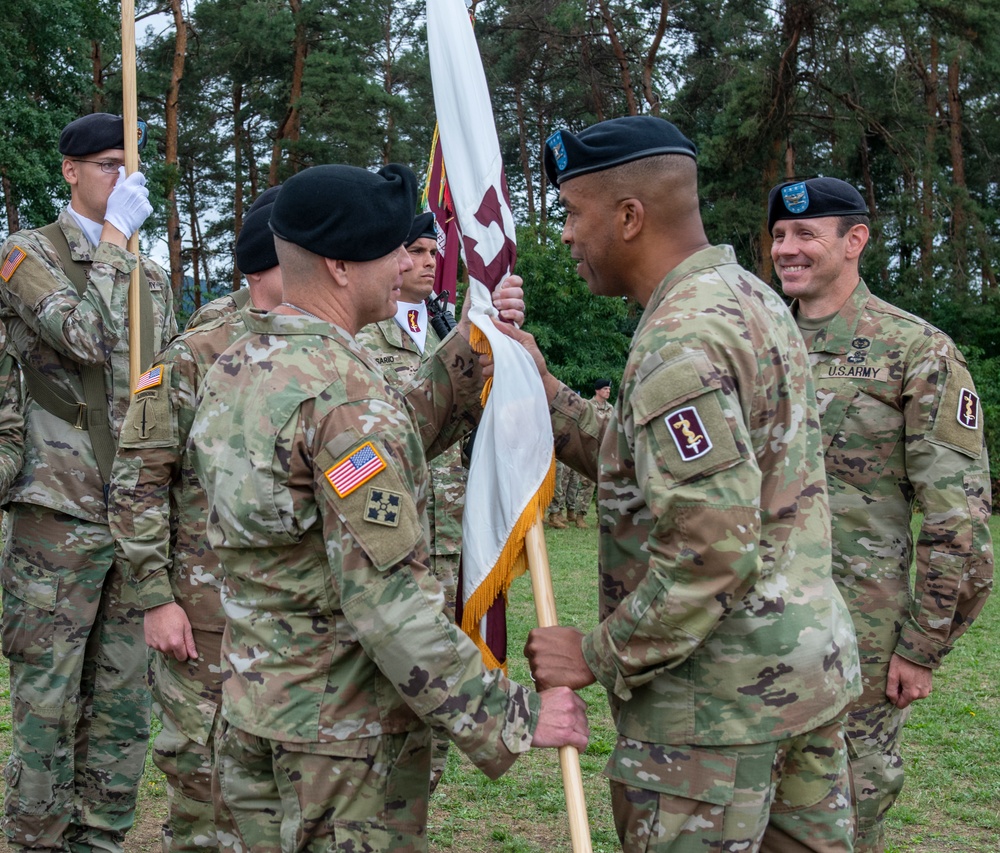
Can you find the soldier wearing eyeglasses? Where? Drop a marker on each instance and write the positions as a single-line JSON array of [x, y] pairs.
[[72, 629]]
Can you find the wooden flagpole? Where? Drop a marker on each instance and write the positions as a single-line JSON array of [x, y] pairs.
[[569, 758], [130, 115]]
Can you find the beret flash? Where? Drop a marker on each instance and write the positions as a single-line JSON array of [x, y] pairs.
[[345, 212], [812, 199], [423, 226], [612, 143], [97, 132], [255, 246]]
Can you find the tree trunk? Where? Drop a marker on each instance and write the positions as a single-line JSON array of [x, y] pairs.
[[170, 119], [13, 218], [933, 110], [195, 240], [290, 127], [387, 84], [97, 75], [522, 138], [619, 52], [959, 216], [652, 98]]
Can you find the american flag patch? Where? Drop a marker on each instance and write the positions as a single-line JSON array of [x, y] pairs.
[[11, 262], [355, 470], [150, 379]]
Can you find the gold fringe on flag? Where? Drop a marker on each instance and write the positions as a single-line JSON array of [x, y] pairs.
[[512, 563]]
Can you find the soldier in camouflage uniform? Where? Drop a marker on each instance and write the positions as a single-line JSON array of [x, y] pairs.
[[11, 418], [71, 624], [158, 510], [902, 431], [587, 487], [338, 651], [726, 650]]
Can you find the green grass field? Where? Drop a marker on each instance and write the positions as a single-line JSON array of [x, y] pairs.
[[951, 801]]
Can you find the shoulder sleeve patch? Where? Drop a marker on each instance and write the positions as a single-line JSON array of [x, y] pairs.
[[959, 423], [151, 420], [372, 499], [12, 262]]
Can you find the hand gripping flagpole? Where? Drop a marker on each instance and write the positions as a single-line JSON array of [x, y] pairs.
[[569, 758], [130, 117]]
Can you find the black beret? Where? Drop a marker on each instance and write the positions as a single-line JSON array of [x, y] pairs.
[[346, 213], [255, 245], [423, 226], [812, 199], [266, 197], [602, 383], [612, 143], [96, 132]]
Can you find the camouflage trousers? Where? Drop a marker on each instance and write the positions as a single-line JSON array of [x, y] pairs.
[[791, 796], [368, 794], [72, 632], [186, 700], [445, 568], [874, 728], [573, 491]]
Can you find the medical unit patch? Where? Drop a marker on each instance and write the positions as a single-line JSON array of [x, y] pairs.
[[968, 409], [355, 470], [689, 433]]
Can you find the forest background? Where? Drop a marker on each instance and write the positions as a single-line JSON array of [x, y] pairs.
[[898, 97]]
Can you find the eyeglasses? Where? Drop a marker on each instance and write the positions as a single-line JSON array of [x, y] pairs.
[[109, 167]]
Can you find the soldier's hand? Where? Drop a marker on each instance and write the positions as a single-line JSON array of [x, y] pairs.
[[528, 342], [128, 204], [168, 630], [508, 299], [908, 681], [555, 656], [562, 720]]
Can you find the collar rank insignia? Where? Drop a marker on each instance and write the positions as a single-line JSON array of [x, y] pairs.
[[150, 379], [354, 471], [795, 197], [689, 433], [413, 319], [383, 507], [968, 409], [12, 262]]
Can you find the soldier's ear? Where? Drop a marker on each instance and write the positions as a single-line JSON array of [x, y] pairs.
[[69, 171], [630, 214], [857, 239]]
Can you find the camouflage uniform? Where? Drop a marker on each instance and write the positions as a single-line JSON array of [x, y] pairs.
[[398, 356], [338, 651], [221, 306], [71, 625], [158, 510], [11, 419], [726, 650], [901, 427], [587, 487]]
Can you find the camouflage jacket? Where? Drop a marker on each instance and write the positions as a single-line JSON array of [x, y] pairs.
[[721, 623], [158, 507], [57, 331], [902, 428], [335, 628], [400, 359], [11, 420], [221, 306]]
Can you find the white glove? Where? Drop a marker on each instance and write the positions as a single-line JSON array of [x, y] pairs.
[[128, 204]]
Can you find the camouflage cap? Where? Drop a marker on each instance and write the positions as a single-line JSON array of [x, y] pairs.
[[97, 132], [813, 199], [612, 143]]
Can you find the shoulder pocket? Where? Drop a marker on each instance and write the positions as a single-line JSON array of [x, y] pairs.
[[362, 482], [681, 403]]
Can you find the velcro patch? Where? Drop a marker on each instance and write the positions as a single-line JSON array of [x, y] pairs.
[[354, 470], [689, 433], [968, 409], [383, 507], [150, 379], [12, 262]]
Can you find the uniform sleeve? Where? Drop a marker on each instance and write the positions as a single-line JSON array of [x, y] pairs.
[[376, 546], [701, 485], [148, 464], [947, 465], [11, 423], [444, 396], [577, 431], [84, 328]]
